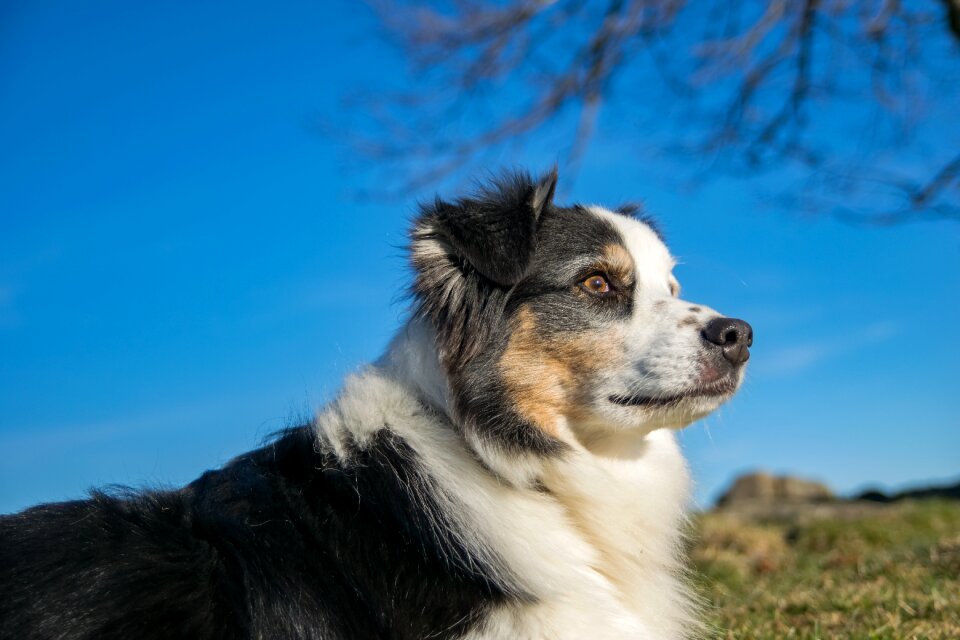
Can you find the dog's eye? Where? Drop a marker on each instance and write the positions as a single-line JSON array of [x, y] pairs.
[[596, 283]]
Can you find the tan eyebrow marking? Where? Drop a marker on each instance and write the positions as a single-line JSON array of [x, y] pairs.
[[618, 263]]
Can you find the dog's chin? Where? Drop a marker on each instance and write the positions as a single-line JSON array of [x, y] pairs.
[[716, 391], [673, 410]]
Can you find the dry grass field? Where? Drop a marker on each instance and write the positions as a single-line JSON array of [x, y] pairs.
[[847, 570]]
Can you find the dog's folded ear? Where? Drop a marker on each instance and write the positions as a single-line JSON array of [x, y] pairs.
[[495, 231], [467, 254]]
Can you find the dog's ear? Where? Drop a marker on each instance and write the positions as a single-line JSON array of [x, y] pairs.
[[468, 253], [495, 231]]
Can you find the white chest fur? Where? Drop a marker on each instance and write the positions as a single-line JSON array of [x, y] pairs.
[[615, 534], [596, 545]]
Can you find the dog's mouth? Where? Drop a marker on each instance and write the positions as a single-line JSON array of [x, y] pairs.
[[720, 388]]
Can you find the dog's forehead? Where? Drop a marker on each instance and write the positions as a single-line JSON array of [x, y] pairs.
[[574, 239], [646, 247]]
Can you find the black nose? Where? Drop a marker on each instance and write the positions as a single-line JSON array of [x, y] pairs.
[[734, 337]]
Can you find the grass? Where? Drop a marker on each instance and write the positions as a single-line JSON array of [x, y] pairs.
[[852, 572]]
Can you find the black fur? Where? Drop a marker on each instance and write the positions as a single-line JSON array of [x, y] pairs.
[[284, 542], [495, 231]]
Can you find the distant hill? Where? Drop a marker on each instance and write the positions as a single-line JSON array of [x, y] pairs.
[[759, 491], [948, 492]]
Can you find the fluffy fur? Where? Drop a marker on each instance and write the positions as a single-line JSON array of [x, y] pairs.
[[506, 470]]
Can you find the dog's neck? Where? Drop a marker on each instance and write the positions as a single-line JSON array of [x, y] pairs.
[[412, 359]]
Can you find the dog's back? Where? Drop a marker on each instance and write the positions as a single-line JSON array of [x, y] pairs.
[[283, 542]]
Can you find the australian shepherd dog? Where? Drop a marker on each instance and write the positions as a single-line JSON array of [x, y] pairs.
[[507, 469]]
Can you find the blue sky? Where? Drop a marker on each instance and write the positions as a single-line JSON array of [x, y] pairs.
[[184, 268]]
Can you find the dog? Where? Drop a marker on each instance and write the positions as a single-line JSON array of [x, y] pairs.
[[507, 470]]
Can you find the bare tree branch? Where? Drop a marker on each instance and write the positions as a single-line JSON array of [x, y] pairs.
[[755, 80], [941, 181], [953, 16]]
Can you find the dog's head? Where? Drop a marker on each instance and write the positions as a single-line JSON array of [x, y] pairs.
[[557, 322]]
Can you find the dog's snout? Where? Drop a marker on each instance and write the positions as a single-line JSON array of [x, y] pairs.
[[733, 336]]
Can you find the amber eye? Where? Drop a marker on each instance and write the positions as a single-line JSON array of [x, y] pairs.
[[596, 283]]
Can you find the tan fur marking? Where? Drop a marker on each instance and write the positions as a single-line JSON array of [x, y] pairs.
[[619, 263], [547, 379], [689, 321]]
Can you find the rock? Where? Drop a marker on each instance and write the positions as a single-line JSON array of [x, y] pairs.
[[790, 488], [763, 488]]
